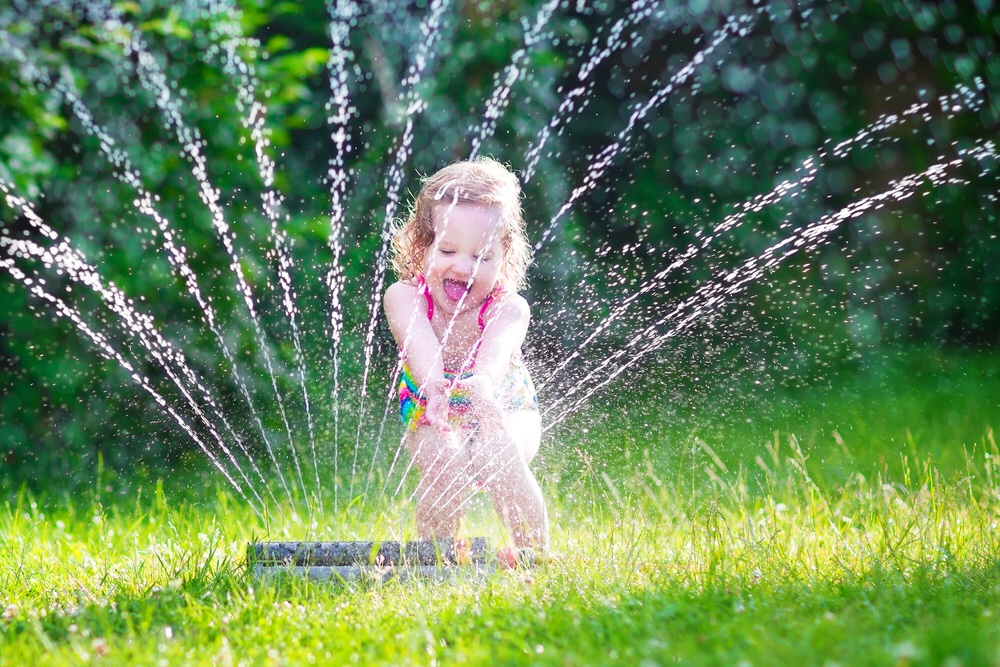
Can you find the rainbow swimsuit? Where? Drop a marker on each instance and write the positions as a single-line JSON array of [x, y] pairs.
[[515, 391]]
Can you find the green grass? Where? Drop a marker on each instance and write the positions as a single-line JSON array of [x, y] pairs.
[[878, 545]]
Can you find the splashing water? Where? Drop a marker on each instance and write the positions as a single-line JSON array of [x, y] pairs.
[[675, 161]]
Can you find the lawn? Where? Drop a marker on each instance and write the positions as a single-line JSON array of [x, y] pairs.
[[853, 524]]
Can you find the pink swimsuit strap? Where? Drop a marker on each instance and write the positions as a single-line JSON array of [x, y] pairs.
[[422, 284], [486, 304]]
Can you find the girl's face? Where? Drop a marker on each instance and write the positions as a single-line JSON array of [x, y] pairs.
[[462, 265]]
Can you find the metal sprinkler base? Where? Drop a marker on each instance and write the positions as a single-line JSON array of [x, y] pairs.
[[372, 561]]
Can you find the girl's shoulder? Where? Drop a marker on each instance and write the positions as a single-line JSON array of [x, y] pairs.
[[400, 287], [512, 299], [507, 305], [402, 292]]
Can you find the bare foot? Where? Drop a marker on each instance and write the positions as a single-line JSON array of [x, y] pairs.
[[508, 557]]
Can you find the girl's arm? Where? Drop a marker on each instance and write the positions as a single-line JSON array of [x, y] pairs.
[[506, 327], [406, 311]]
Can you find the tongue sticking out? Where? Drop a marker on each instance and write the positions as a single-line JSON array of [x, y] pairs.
[[454, 289]]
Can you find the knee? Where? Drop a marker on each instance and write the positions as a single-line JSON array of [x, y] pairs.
[[500, 457], [435, 455]]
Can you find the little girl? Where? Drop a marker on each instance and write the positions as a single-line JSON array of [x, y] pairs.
[[466, 399]]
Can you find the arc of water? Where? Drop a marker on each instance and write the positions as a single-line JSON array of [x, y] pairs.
[[468, 485], [809, 170], [71, 314], [961, 98], [191, 142], [176, 254], [341, 113], [577, 99], [414, 105], [599, 164], [714, 294], [140, 326], [223, 16], [500, 97]]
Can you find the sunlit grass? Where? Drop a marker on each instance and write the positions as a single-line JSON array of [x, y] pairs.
[[874, 573], [820, 546]]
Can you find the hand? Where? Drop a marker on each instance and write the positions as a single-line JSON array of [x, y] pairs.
[[484, 402], [438, 393]]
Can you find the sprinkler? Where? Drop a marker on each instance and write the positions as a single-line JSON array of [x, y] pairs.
[[380, 561]]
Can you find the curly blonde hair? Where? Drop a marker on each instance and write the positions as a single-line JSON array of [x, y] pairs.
[[482, 182]]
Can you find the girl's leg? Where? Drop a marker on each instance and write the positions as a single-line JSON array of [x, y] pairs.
[[500, 459], [443, 466]]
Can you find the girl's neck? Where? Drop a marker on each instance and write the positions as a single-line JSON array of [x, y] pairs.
[[434, 306]]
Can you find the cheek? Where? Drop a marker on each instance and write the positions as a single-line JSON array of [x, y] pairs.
[[435, 263], [429, 260], [491, 276]]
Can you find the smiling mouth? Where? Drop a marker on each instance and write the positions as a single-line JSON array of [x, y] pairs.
[[454, 289]]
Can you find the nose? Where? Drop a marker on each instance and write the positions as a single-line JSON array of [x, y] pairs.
[[465, 267]]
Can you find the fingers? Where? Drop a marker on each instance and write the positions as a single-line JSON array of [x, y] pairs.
[[484, 404], [480, 387], [438, 421], [490, 412], [437, 408]]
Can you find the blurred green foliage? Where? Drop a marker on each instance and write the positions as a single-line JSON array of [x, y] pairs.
[[746, 118]]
